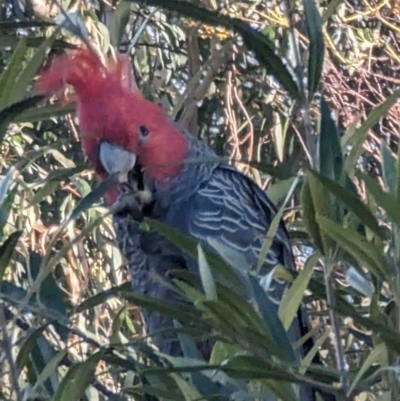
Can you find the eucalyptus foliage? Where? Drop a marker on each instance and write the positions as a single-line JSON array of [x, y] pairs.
[[295, 93]]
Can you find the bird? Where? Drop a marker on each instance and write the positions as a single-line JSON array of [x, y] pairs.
[[167, 174]]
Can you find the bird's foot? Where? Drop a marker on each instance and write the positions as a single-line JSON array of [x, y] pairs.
[[130, 201]]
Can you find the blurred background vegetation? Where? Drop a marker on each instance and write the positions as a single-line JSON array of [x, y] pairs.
[[300, 96]]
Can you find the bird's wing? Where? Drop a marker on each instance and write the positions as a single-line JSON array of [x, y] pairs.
[[230, 213]]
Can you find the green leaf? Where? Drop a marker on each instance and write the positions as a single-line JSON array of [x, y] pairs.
[[206, 276], [7, 250], [360, 134], [277, 191], [292, 297], [269, 314], [309, 216], [35, 114], [321, 204], [352, 202], [316, 50], [5, 184], [102, 297], [120, 20], [28, 73], [389, 169], [188, 391], [173, 309], [308, 359], [330, 10], [389, 336], [27, 346], [18, 24], [248, 367], [364, 251], [50, 368], [331, 158], [272, 229], [384, 200], [262, 47], [222, 351], [52, 181], [89, 200], [77, 379], [9, 114], [189, 246], [376, 355], [9, 76]]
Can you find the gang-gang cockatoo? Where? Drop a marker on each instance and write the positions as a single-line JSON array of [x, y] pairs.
[[126, 135]]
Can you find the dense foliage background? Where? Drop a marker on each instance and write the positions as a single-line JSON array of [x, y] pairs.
[[303, 98]]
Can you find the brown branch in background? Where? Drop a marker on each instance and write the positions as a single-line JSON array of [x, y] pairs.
[[250, 135], [190, 114], [196, 93], [231, 119], [232, 98]]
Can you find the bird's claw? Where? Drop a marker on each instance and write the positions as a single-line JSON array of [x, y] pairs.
[[129, 201]]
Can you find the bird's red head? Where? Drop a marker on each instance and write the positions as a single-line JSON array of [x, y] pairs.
[[111, 109]]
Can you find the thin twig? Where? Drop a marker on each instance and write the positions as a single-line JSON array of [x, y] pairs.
[[6, 346]]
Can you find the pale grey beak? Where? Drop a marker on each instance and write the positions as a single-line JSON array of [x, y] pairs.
[[116, 161]]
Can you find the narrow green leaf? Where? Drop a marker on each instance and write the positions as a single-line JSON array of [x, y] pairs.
[[120, 20], [18, 24], [102, 297], [9, 76], [292, 297], [50, 368], [269, 314], [5, 184], [307, 360], [7, 250], [77, 379], [48, 189], [222, 351], [27, 346], [8, 114], [12, 41], [249, 367], [277, 220], [316, 50], [352, 203], [28, 73], [189, 246], [188, 391], [389, 169], [374, 357], [361, 134], [173, 309], [277, 191], [384, 200], [364, 251], [345, 309], [330, 10], [309, 218], [35, 114], [331, 158], [322, 207], [206, 276], [89, 200], [52, 181]]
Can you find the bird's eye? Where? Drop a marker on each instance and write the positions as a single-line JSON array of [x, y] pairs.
[[144, 132]]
